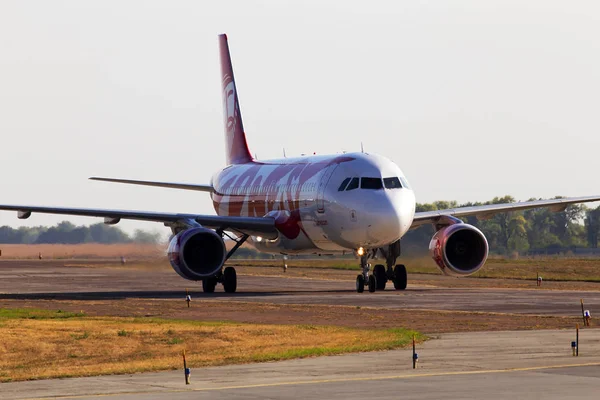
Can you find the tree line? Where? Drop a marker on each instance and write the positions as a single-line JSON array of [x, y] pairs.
[[68, 233], [538, 229]]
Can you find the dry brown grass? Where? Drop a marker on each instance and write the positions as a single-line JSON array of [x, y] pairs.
[[50, 347], [86, 250]]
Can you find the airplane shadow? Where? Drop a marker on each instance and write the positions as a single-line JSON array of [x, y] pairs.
[[153, 294]]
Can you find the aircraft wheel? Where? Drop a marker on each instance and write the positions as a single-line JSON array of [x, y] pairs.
[[372, 283], [400, 277], [380, 276], [209, 284], [360, 283], [229, 280]]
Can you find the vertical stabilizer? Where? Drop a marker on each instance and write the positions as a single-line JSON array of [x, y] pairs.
[[236, 146]]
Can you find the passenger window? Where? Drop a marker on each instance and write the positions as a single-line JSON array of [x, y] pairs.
[[371, 183], [343, 185], [353, 184], [392, 183]]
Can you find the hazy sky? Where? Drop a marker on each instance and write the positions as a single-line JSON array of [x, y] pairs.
[[472, 99]]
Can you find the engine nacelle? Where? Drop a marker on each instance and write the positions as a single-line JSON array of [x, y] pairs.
[[197, 253], [459, 249]]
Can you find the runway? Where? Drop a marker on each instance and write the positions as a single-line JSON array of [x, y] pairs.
[[499, 365], [69, 280]]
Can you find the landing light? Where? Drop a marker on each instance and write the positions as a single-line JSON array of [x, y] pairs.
[[360, 251], [259, 239]]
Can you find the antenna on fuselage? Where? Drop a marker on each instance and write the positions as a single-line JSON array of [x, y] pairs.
[[284, 156], [362, 149]]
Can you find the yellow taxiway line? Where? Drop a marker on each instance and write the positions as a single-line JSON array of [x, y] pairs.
[[319, 381]]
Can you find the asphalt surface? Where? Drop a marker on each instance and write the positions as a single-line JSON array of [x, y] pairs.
[[490, 365], [72, 280]]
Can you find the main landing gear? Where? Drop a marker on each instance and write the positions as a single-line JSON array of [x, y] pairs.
[[380, 276], [227, 276]]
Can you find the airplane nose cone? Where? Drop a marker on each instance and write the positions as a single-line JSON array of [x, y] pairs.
[[384, 222], [375, 218]]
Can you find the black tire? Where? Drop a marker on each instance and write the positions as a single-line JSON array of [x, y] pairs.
[[229, 280], [360, 283], [380, 276], [400, 277], [372, 283], [209, 284]]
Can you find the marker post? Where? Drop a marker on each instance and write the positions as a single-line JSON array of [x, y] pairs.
[[415, 356], [186, 370], [577, 340], [587, 316]]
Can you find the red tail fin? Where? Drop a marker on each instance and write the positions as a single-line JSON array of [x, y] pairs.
[[236, 147]]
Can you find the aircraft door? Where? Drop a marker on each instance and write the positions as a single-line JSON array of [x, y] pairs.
[[322, 185]]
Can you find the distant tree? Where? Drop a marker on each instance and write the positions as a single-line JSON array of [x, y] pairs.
[[65, 232], [517, 237], [592, 227], [444, 205], [141, 236], [422, 207], [102, 233], [503, 221], [29, 235], [9, 235]]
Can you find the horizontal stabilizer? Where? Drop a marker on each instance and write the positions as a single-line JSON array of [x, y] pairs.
[[172, 185]]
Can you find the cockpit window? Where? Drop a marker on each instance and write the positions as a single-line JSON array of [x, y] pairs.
[[343, 185], [404, 183], [392, 183], [371, 183], [353, 184]]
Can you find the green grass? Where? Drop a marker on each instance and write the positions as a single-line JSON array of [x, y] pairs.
[[84, 335], [401, 338], [31, 313], [174, 341]]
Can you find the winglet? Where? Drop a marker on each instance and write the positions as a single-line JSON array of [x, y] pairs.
[[236, 146]]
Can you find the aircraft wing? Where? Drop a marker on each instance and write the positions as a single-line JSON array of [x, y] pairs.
[[488, 211], [172, 185], [257, 226]]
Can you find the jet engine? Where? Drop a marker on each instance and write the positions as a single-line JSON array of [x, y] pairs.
[[459, 249], [197, 253]]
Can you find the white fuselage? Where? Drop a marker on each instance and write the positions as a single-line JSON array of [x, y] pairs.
[[313, 213]]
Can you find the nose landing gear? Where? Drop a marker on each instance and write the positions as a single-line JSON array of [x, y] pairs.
[[381, 274], [364, 276]]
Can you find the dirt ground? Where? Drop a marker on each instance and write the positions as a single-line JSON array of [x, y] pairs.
[[426, 321], [316, 296]]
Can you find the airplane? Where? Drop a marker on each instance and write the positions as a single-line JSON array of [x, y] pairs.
[[358, 203]]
